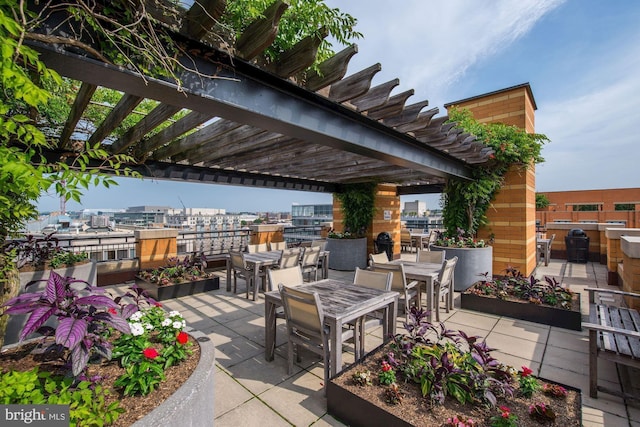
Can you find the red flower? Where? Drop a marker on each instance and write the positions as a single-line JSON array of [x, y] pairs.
[[526, 371], [505, 411], [157, 304], [386, 367], [150, 353], [112, 310], [182, 338]]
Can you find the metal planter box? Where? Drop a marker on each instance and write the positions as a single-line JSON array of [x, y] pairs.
[[522, 310], [161, 293]]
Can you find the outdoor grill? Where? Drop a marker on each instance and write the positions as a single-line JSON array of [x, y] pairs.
[[577, 243], [384, 243]]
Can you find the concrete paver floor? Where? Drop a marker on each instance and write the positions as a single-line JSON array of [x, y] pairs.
[[253, 392]]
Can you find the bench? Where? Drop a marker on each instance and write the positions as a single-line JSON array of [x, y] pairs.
[[614, 334]]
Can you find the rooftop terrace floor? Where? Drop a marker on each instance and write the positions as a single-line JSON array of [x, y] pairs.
[[253, 392]]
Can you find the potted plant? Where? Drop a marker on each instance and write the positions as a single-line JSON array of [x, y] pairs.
[[35, 259], [465, 202], [438, 377], [348, 249], [178, 278], [103, 348], [527, 298]]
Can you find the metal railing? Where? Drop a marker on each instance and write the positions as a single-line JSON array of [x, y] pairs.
[[212, 242], [298, 234]]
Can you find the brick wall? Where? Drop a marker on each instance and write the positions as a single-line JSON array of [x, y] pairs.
[[512, 216]]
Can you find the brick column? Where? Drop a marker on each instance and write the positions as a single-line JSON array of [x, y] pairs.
[[155, 246], [614, 250], [631, 268], [512, 220], [387, 217], [266, 233]]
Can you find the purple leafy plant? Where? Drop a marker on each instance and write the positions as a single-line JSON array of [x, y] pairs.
[[84, 317]]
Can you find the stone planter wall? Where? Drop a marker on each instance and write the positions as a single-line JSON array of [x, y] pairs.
[[192, 404], [347, 254], [86, 272], [472, 262]]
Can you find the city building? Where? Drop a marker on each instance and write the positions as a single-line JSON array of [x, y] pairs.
[[305, 215], [415, 208], [141, 216]]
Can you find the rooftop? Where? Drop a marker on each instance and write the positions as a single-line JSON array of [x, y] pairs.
[[253, 392]]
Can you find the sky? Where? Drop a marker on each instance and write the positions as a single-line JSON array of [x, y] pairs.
[[581, 58]]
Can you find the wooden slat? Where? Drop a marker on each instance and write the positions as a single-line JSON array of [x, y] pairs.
[[182, 126], [635, 343], [300, 57], [392, 107], [330, 70], [408, 115], [261, 33], [180, 147], [124, 107], [152, 120], [202, 15], [353, 85], [83, 98], [422, 121], [608, 343], [616, 319], [375, 97]]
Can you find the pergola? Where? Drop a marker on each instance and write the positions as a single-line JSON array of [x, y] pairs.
[[280, 125]]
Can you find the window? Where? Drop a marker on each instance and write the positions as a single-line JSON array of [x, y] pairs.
[[585, 208], [625, 206]]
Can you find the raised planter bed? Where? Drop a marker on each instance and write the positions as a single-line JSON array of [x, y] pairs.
[[176, 290], [523, 310], [357, 406]]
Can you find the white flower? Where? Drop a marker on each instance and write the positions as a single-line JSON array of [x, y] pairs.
[[177, 325], [175, 314], [136, 316], [148, 326], [136, 329], [166, 322], [184, 324]]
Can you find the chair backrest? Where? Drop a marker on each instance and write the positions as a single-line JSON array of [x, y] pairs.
[[277, 246], [373, 279], [405, 235], [380, 258], [260, 247], [291, 276], [303, 311], [553, 236], [310, 256], [430, 256], [322, 244], [237, 260], [433, 236], [398, 281], [289, 259], [446, 272]]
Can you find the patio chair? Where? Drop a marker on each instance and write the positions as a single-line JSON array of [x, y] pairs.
[[443, 286], [374, 280], [406, 241], [430, 256], [322, 244], [309, 262], [408, 291], [260, 247], [306, 328], [239, 269], [277, 246], [380, 258], [290, 258]]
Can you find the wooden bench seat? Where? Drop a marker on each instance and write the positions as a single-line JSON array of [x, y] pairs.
[[614, 334]]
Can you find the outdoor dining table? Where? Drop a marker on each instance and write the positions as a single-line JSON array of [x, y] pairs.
[[426, 272], [255, 262], [342, 303], [417, 239]]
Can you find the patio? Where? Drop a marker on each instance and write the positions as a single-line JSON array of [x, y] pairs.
[[253, 392]]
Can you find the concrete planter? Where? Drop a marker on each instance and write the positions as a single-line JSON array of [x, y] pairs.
[[161, 293], [523, 310], [472, 262], [191, 404], [86, 272], [347, 254]]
